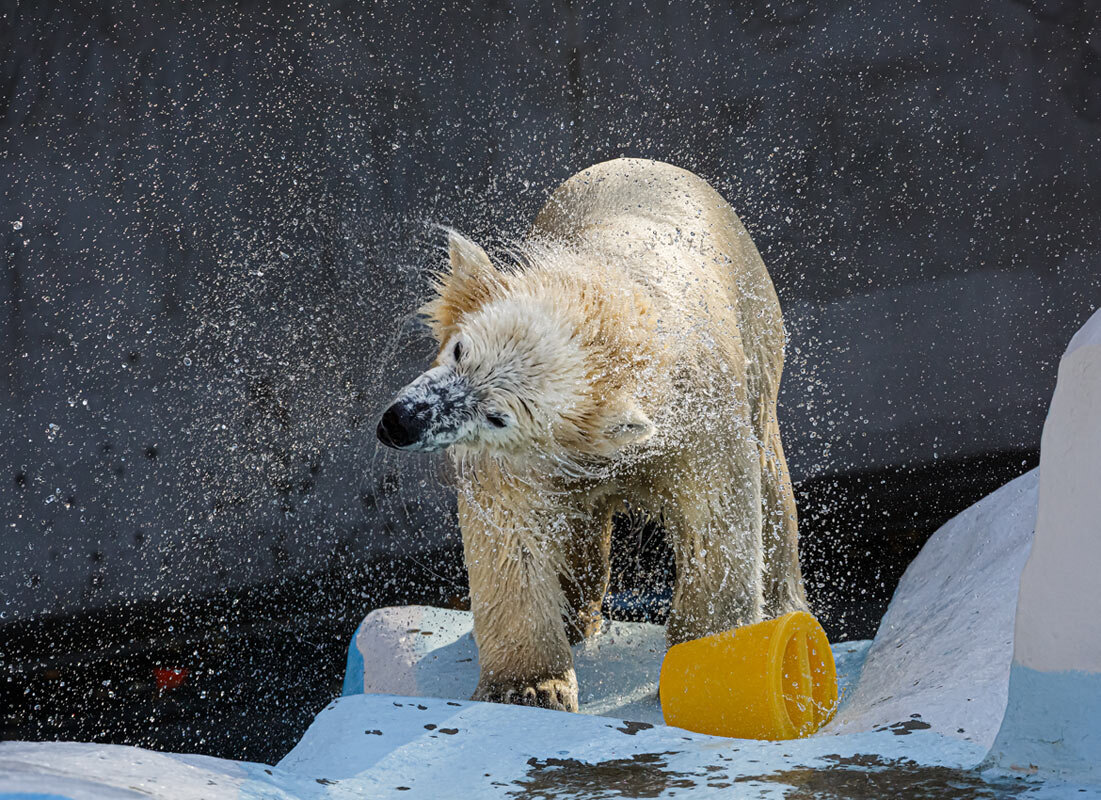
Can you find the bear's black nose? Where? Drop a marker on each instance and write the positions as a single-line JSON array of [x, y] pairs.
[[399, 426]]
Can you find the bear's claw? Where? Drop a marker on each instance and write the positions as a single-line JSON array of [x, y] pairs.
[[558, 694]]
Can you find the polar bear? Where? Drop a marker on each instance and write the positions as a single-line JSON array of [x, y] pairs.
[[627, 357]]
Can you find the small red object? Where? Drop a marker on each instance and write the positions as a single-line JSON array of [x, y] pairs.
[[168, 678]]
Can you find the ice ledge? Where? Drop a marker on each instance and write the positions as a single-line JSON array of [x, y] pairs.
[[422, 651]]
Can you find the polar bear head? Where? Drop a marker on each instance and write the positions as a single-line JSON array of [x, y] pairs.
[[545, 358]]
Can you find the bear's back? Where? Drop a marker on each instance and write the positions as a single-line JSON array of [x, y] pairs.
[[627, 187], [672, 232]]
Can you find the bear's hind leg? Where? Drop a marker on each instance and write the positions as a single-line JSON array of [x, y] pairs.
[[587, 572], [783, 587], [713, 518]]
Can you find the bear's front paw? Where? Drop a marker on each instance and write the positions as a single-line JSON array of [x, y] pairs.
[[559, 694]]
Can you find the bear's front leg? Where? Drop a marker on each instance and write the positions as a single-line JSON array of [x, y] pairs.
[[556, 693], [513, 565]]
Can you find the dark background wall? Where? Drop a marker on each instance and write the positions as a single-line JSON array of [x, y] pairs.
[[214, 224]]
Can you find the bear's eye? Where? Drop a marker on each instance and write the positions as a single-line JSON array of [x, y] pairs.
[[457, 351], [496, 420]]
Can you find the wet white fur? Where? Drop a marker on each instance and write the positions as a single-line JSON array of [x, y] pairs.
[[635, 353]]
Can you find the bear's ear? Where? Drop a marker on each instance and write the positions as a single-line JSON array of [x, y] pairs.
[[626, 424], [468, 261], [466, 286]]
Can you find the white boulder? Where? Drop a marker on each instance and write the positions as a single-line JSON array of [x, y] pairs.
[[1053, 719]]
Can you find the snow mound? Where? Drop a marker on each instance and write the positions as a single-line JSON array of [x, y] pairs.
[[77, 771], [944, 648]]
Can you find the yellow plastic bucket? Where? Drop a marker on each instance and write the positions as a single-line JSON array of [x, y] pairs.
[[772, 680]]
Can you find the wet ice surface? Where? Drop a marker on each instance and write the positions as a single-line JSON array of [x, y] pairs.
[[384, 746], [508, 742]]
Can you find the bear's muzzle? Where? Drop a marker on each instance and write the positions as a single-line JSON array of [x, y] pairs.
[[429, 413]]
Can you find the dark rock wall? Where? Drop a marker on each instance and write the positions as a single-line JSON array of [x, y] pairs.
[[213, 231]]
